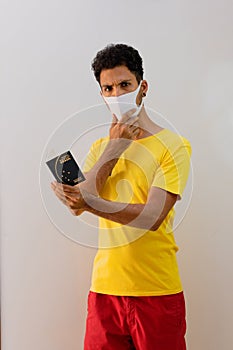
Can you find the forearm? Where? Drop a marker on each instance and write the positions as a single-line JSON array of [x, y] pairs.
[[97, 176], [136, 215]]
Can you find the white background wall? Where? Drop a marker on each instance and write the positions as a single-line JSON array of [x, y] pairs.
[[47, 47]]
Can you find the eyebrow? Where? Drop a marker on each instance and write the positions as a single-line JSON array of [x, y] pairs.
[[122, 81]]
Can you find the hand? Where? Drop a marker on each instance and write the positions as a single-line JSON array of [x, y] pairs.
[[70, 196], [125, 128]]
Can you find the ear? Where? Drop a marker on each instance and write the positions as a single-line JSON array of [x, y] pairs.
[[144, 85]]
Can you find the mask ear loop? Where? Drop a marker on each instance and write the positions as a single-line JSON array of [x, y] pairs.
[[101, 94], [143, 95]]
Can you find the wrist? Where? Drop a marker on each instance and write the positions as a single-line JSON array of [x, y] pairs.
[[87, 200], [117, 146]]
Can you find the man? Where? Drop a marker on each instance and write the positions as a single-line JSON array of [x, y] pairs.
[[133, 179]]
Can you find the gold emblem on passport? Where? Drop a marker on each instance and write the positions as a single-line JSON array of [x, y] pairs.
[[65, 169]]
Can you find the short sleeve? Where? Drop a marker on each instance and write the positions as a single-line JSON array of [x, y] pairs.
[[90, 159], [94, 153], [173, 170]]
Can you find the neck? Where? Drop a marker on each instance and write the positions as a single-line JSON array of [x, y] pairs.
[[146, 125]]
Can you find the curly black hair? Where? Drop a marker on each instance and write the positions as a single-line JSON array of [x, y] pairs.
[[114, 55]]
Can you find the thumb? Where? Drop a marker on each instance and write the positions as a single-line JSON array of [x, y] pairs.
[[114, 120]]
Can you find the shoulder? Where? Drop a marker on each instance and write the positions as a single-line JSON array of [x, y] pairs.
[[172, 140], [99, 143], [98, 146]]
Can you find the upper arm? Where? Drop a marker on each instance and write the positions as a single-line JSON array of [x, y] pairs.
[[160, 202], [173, 170], [169, 181]]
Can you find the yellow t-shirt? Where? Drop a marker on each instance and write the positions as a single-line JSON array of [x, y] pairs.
[[132, 261]]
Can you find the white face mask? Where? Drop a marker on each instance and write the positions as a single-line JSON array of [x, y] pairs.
[[119, 105]]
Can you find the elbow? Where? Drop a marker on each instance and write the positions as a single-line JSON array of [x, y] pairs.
[[156, 224], [155, 227], [156, 219], [149, 220]]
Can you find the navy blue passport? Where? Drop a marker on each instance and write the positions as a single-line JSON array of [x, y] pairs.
[[65, 169]]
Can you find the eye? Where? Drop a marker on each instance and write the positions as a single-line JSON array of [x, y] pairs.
[[124, 84], [108, 88]]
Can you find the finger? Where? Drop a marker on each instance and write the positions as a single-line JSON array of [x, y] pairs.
[[114, 120], [60, 197], [68, 201], [57, 188], [64, 186], [133, 121], [66, 195], [76, 212], [60, 193], [133, 125], [134, 131], [127, 115]]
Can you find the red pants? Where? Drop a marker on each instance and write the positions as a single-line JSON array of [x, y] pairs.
[[135, 323]]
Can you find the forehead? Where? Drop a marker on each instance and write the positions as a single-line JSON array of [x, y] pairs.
[[116, 75]]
